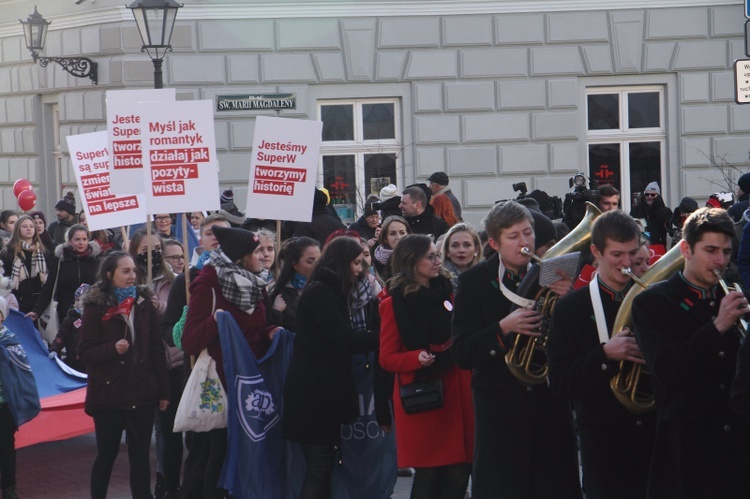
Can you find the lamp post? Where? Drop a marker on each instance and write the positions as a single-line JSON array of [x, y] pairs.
[[35, 32], [155, 20]]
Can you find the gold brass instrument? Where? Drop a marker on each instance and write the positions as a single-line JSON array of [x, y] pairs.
[[741, 324], [526, 359], [632, 384]]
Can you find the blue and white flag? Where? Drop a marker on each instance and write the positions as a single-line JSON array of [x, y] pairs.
[[255, 464]]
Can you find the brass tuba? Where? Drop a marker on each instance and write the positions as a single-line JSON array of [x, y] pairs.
[[526, 359], [632, 384]]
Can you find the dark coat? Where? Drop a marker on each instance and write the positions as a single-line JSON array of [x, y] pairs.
[[525, 443], [201, 330], [701, 447], [657, 218], [615, 444], [390, 207], [134, 379], [364, 230], [67, 338], [319, 395], [321, 226], [737, 209], [29, 289], [74, 271], [288, 318], [428, 223], [416, 434]]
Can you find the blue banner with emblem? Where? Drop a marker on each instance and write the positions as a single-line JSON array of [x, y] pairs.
[[255, 464]]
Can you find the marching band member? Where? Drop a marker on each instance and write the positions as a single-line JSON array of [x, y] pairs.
[[686, 329], [524, 444], [615, 444]]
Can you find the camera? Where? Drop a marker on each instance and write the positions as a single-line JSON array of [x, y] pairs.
[[575, 201], [521, 188]]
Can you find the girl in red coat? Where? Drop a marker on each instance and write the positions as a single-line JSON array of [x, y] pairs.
[[414, 343]]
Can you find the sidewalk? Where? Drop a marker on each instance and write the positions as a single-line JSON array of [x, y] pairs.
[[60, 470]]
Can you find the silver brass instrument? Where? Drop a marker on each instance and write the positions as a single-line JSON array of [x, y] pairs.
[[741, 324], [526, 358], [632, 384]]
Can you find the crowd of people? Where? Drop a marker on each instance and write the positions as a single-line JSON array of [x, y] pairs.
[[406, 316]]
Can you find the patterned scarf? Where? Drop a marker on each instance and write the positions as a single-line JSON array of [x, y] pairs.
[[239, 286], [382, 253], [38, 265], [362, 294]]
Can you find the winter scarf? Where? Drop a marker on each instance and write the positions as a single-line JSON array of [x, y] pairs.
[[239, 286], [38, 265], [362, 294]]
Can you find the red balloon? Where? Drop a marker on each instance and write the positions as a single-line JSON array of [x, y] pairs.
[[21, 185], [27, 200]]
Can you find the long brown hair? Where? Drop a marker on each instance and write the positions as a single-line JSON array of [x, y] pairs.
[[14, 244], [406, 256]]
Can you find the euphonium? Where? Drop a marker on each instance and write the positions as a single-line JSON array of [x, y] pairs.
[[741, 324], [526, 359], [632, 384]]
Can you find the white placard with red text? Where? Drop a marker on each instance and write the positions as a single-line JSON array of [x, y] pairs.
[[124, 132], [179, 156], [283, 168], [89, 155]]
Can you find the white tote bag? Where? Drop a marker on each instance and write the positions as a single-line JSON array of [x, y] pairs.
[[49, 316], [203, 405]]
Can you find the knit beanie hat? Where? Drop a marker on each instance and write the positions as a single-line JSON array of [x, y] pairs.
[[68, 204], [227, 196], [38, 215], [388, 192], [4, 307], [688, 205], [440, 178], [544, 229], [235, 243], [653, 186], [744, 182], [81, 289]]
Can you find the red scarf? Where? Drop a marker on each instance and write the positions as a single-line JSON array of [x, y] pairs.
[[122, 308]]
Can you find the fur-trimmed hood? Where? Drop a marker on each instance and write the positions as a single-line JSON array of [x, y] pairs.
[[65, 251], [95, 296]]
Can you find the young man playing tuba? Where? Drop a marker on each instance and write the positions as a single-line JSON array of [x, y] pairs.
[[525, 444], [615, 444], [686, 329]]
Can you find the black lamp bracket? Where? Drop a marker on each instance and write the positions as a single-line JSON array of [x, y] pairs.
[[80, 67]]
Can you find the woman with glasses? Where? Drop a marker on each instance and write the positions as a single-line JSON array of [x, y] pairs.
[[163, 224], [174, 254], [415, 342]]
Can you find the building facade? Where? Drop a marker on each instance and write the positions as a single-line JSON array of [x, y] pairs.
[[491, 92]]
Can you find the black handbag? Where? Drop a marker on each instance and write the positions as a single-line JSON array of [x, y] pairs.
[[422, 395]]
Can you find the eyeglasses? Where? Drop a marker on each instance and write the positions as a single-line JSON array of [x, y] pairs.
[[650, 194], [162, 219], [175, 257], [433, 257]]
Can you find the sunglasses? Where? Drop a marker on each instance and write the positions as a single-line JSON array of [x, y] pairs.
[[650, 195]]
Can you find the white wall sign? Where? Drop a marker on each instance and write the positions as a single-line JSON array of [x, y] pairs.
[[179, 156], [283, 168], [89, 154], [124, 132], [742, 81]]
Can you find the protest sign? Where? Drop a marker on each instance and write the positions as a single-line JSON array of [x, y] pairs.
[[124, 136], [179, 156], [89, 155], [283, 168]]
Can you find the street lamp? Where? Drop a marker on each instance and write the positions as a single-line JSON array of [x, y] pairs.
[[155, 20], [35, 32]]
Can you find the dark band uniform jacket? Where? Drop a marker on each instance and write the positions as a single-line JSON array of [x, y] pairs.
[[702, 446], [615, 444], [525, 444]]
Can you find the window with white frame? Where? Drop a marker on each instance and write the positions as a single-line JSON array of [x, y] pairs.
[[626, 138], [360, 150]]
